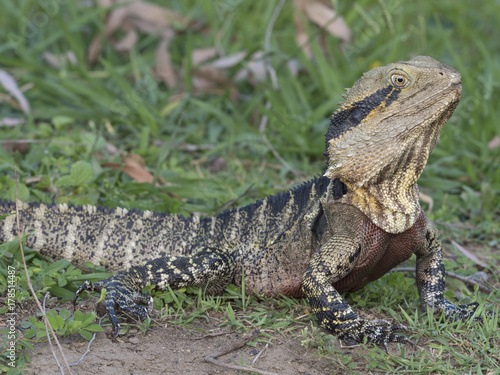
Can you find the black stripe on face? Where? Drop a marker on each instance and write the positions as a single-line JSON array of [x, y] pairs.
[[349, 118]]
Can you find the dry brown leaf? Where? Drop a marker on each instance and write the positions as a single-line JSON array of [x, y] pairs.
[[111, 148], [56, 61], [327, 18], [212, 72], [255, 69], [322, 15], [13, 146], [494, 143], [11, 121], [218, 164], [227, 62], [257, 66], [211, 80], [9, 84], [201, 55], [128, 41], [294, 67], [135, 167], [33, 180], [9, 99], [301, 37], [147, 17], [427, 199], [164, 69], [469, 255], [210, 77], [94, 48]]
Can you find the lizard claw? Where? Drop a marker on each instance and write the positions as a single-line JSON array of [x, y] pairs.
[[120, 296], [379, 332]]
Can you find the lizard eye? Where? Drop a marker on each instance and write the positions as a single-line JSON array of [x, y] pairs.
[[399, 80]]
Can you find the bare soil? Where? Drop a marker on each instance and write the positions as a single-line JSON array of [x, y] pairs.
[[168, 348], [174, 349]]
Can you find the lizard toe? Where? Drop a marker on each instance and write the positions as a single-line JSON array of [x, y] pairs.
[[144, 299], [86, 286], [463, 312], [110, 309], [379, 332], [120, 297]]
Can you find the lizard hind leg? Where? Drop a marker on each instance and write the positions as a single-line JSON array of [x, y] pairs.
[[209, 268]]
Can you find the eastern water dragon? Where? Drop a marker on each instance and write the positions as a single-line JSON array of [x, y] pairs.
[[332, 234]]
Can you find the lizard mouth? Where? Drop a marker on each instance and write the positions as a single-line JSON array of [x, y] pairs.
[[457, 88]]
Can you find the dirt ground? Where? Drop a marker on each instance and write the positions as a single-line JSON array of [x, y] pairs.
[[167, 348], [178, 350]]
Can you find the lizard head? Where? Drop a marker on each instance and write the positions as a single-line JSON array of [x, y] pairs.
[[389, 123]]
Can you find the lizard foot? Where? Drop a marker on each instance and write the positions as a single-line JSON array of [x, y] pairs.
[[120, 296], [463, 312], [379, 332]]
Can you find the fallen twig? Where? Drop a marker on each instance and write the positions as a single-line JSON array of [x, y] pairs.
[[88, 346], [236, 345], [468, 254], [465, 279], [210, 335], [228, 204], [260, 353]]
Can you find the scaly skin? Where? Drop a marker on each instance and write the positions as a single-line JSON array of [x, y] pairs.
[[332, 234]]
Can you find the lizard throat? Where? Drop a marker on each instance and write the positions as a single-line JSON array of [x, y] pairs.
[[398, 212], [384, 187]]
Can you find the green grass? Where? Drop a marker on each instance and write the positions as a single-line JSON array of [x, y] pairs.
[[77, 110]]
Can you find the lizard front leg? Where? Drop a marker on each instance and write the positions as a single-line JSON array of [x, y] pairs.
[[431, 280], [334, 260], [213, 269]]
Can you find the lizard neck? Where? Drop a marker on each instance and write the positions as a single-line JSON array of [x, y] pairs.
[[390, 198], [382, 176], [393, 210]]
